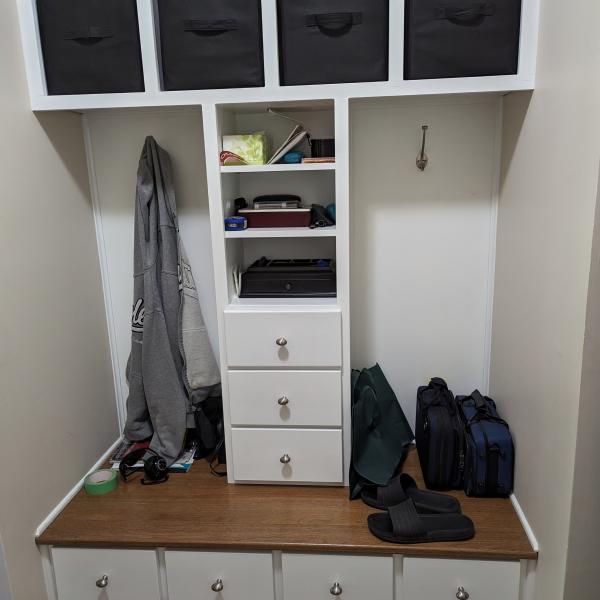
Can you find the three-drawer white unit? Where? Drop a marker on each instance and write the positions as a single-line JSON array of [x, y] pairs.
[[284, 386]]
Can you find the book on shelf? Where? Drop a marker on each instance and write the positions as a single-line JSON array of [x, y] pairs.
[[318, 160]]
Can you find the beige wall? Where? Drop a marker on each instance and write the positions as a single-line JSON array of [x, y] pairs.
[[546, 212], [57, 408], [584, 542]]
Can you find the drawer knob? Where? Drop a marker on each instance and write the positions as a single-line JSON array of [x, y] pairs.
[[285, 459], [283, 401], [281, 342], [217, 586], [462, 594], [336, 589], [102, 582]]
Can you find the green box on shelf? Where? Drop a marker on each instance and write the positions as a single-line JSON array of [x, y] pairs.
[[252, 147]]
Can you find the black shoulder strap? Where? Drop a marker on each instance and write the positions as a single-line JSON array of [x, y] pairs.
[[479, 400]]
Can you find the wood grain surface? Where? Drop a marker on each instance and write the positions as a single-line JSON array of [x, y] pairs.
[[200, 511]]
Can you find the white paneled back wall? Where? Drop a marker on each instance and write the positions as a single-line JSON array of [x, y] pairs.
[[115, 141], [422, 243]]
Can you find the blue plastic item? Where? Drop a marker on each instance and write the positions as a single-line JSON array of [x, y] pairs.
[[292, 158], [235, 223], [331, 211]]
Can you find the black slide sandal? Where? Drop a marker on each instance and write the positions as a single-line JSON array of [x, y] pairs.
[[403, 487], [402, 524]]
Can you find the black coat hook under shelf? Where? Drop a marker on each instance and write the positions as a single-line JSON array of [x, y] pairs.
[[422, 158]]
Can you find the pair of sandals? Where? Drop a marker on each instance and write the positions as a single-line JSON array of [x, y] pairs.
[[414, 516]]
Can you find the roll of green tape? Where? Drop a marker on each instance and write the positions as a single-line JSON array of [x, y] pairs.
[[101, 482]]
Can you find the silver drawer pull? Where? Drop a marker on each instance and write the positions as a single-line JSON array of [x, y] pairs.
[[283, 401], [281, 342], [217, 586], [102, 582], [336, 589], [285, 459], [462, 594]]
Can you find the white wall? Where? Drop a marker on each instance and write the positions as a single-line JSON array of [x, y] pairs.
[[116, 139], [422, 242], [546, 213], [57, 401]]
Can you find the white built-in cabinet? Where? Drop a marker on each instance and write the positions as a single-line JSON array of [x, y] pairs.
[[86, 574], [287, 405]]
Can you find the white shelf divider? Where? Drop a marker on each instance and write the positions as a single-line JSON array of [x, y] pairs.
[[281, 232], [278, 168]]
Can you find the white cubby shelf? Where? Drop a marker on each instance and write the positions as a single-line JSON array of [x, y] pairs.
[[279, 168], [281, 232]]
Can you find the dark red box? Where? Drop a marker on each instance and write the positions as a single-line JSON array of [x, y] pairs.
[[283, 217]]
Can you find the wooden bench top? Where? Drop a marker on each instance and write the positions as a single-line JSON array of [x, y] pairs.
[[200, 511]]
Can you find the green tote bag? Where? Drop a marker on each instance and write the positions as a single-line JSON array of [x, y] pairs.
[[381, 434]]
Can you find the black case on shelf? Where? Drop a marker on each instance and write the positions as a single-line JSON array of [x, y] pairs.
[[333, 41], [211, 44], [461, 38], [90, 46], [295, 278]]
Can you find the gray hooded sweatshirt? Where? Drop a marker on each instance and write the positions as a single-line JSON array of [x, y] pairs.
[[171, 368]]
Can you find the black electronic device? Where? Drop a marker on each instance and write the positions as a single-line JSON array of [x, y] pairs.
[[289, 278]]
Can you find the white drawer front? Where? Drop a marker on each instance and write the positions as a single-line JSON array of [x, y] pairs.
[[280, 398], [131, 574], [315, 455], [440, 579], [359, 577], [312, 339], [242, 575]]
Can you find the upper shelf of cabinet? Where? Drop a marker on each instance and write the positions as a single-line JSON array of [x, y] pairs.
[[278, 168], [155, 54]]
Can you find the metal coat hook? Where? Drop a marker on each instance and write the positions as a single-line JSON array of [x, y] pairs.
[[422, 158]]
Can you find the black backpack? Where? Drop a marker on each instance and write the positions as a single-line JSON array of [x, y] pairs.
[[440, 436]]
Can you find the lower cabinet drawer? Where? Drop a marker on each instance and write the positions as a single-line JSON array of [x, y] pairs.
[[219, 575], [83, 574], [307, 576], [287, 455], [280, 398], [438, 579]]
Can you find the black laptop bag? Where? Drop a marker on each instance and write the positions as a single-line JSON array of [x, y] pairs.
[[440, 435], [90, 46]]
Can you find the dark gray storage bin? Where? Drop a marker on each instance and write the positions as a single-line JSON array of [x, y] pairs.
[[90, 46], [211, 44], [461, 38], [333, 41]]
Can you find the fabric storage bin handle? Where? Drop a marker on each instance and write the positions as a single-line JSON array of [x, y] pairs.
[[334, 23], [89, 34], [202, 26], [465, 12]]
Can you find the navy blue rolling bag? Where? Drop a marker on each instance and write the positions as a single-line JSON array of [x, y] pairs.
[[490, 455]]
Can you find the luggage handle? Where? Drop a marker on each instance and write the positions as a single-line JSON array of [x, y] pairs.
[[479, 400], [89, 34], [214, 26], [466, 12], [334, 23]]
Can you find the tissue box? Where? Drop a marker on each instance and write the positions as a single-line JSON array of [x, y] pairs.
[[252, 148]]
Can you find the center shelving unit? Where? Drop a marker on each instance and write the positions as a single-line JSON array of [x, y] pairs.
[[313, 367]]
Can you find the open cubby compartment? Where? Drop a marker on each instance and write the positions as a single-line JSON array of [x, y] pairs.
[[241, 253], [313, 187], [316, 116]]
